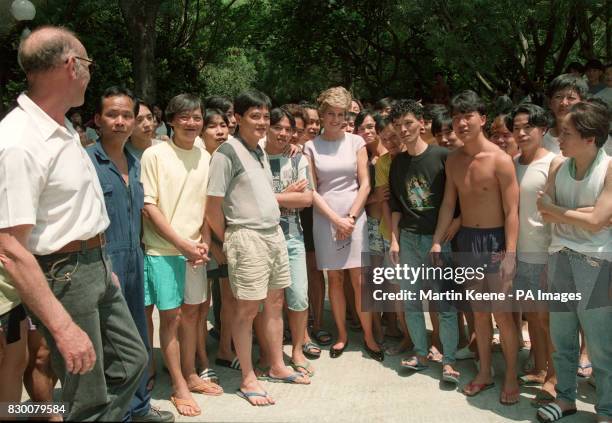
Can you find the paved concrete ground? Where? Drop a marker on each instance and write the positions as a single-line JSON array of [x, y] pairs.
[[358, 389]]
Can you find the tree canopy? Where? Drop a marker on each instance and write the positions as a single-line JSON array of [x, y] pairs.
[[292, 50]]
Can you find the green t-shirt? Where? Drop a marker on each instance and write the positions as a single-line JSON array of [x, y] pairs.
[[8, 294], [286, 171]]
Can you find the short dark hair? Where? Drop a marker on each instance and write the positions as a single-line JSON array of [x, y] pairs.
[[568, 81], [278, 113], [351, 116], [141, 102], [209, 114], [296, 111], [467, 101], [594, 64], [591, 119], [536, 116], [403, 107], [364, 114], [432, 109], [251, 98], [117, 91], [575, 66], [382, 123], [439, 121], [383, 103], [182, 103], [220, 102]]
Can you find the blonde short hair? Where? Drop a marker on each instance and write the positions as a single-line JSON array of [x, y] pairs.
[[334, 97]]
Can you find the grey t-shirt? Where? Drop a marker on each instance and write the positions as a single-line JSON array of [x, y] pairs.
[[243, 177], [286, 171]]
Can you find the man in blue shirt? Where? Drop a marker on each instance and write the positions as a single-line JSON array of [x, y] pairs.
[[119, 174]]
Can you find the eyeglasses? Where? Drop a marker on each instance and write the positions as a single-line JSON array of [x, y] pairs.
[[89, 61]]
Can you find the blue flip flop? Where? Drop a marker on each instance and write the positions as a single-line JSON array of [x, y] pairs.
[[247, 395], [416, 367], [292, 378]]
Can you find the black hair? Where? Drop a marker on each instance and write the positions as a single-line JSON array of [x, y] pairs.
[[594, 64], [141, 102], [568, 81], [439, 121], [575, 66], [209, 114], [536, 116], [278, 113], [432, 109], [182, 103], [403, 107], [296, 111], [116, 91], [220, 102], [591, 119], [251, 98], [467, 101], [382, 122], [364, 114], [351, 116], [383, 103]]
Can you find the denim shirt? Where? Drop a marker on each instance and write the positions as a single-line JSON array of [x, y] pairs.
[[124, 203]]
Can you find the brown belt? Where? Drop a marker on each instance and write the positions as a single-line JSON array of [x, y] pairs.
[[80, 246]]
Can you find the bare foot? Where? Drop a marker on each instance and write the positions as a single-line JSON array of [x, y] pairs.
[[286, 373], [185, 404], [510, 393], [255, 387]]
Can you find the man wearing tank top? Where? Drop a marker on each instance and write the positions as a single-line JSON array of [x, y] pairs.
[[578, 200], [529, 123]]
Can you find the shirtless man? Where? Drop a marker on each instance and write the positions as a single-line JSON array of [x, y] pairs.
[[482, 177]]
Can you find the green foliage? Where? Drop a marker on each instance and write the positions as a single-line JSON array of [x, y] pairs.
[[234, 74], [294, 49]]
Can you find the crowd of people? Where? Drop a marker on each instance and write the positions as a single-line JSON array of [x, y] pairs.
[[252, 207]]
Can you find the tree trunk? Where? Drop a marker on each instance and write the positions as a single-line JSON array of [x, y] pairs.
[[140, 17]]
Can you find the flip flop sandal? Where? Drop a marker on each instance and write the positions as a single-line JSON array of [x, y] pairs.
[[303, 366], [406, 363], [542, 398], [527, 380], [582, 368], [206, 388], [292, 378], [247, 394], [435, 356], [472, 389], [234, 364], [209, 375], [311, 350], [552, 413], [318, 336], [262, 373], [450, 377], [178, 402]]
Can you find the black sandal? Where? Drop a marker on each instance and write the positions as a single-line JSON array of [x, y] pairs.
[[320, 335], [311, 350]]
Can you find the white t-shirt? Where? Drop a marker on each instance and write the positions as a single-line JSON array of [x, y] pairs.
[[534, 234], [47, 180], [551, 143]]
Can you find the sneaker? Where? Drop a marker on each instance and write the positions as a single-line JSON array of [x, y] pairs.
[[464, 353], [155, 415]]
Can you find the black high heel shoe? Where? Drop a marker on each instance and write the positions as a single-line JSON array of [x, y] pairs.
[[376, 355], [337, 352]]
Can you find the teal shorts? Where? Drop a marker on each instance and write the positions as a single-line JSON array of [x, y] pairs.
[[164, 280]]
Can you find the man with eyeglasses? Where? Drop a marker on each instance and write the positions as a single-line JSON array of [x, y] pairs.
[[243, 212], [52, 222]]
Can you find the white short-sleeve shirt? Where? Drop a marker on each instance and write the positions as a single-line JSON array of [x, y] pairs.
[[47, 180]]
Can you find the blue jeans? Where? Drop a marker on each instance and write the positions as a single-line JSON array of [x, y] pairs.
[[569, 271], [297, 294], [128, 266], [414, 252]]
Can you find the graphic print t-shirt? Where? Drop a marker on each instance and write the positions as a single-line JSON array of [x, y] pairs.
[[416, 184], [286, 171]]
